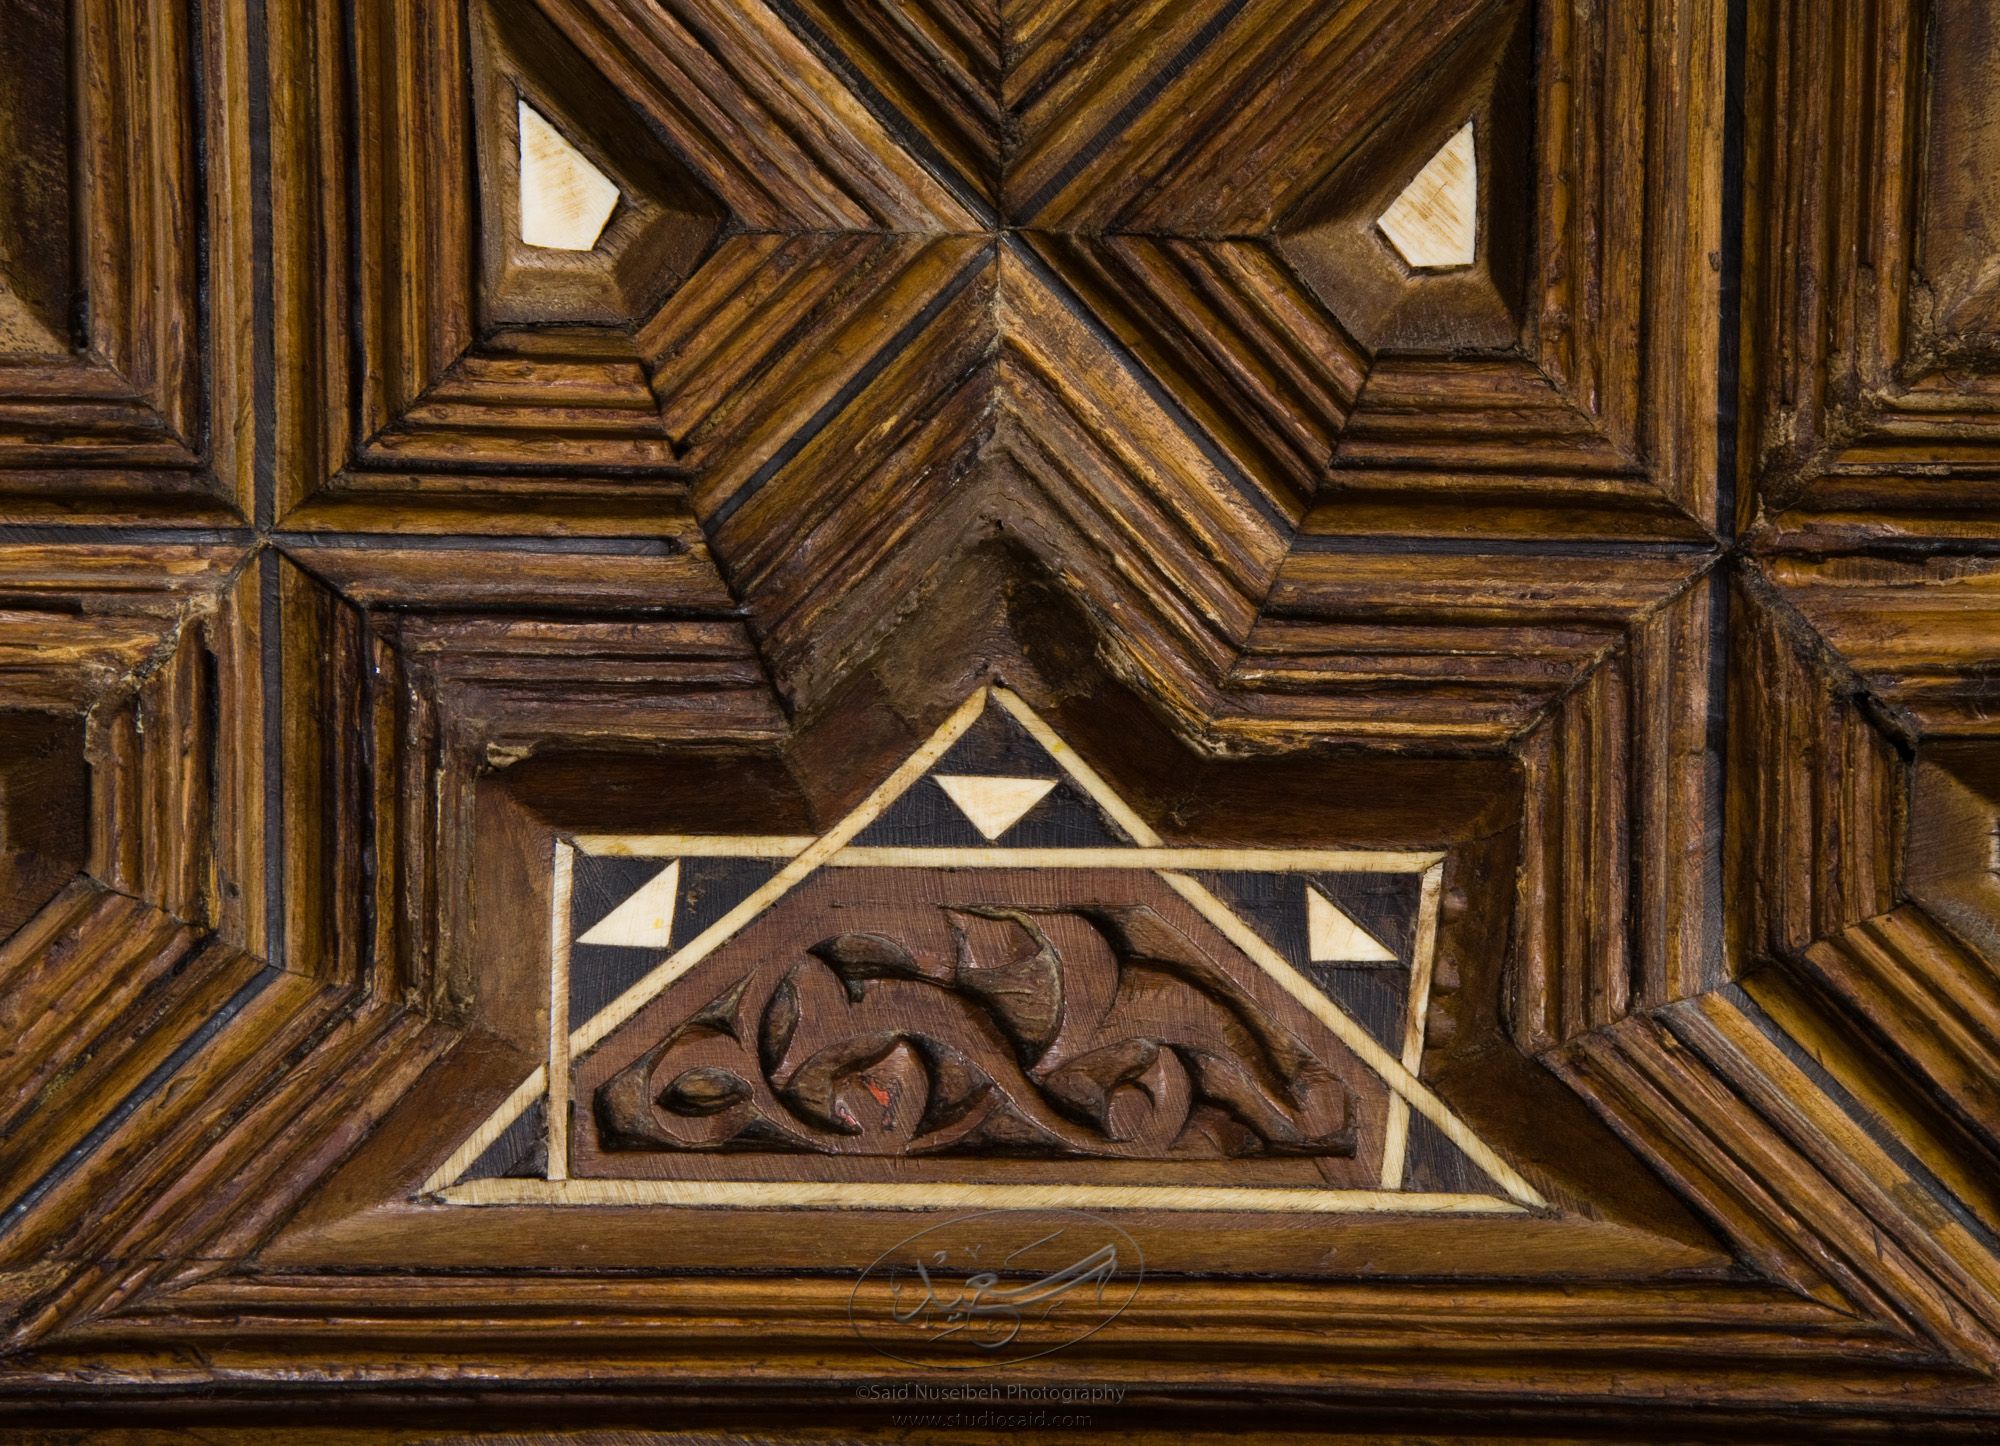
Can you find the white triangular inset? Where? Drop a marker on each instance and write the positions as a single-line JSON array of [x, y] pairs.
[[994, 805], [1434, 224], [565, 200], [644, 921], [1334, 938]]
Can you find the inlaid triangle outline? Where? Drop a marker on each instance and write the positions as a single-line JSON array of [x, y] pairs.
[[1334, 937], [1401, 1081], [645, 920], [993, 805]]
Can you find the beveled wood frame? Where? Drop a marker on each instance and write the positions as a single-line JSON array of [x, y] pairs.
[[1747, 925], [138, 406]]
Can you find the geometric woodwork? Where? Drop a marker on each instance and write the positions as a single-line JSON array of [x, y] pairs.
[[125, 234], [1131, 987], [1602, 622], [1875, 419]]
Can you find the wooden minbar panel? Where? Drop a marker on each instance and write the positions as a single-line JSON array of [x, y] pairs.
[[1308, 684]]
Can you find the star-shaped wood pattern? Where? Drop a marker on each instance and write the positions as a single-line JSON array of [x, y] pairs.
[[384, 548]]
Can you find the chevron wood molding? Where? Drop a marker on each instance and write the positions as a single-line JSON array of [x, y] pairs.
[[1136, 230], [970, 632]]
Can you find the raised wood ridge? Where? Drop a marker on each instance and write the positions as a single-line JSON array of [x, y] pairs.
[[356, 554]]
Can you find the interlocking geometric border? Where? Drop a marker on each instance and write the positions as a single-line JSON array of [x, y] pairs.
[[1718, 944]]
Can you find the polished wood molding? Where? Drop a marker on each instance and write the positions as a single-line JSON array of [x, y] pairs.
[[371, 567]]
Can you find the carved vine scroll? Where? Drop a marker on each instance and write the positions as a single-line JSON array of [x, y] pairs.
[[1131, 1042]]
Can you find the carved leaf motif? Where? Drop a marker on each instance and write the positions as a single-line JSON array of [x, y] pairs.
[[856, 959], [704, 1108], [624, 1113], [1025, 996], [1083, 1087], [958, 1088], [780, 1021], [704, 1091], [720, 1013], [813, 1090], [868, 1047], [1231, 1086]]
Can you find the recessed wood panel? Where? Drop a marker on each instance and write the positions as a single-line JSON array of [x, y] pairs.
[[686, 640], [1870, 326], [125, 268]]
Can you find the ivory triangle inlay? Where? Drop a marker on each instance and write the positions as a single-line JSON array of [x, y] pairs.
[[644, 921], [1334, 938], [814, 864], [994, 805], [565, 200], [1434, 224]]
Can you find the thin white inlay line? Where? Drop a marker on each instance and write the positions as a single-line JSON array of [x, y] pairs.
[[746, 846], [1327, 861], [794, 872], [952, 1195], [1396, 1141], [685, 845], [1082, 773], [559, 924]]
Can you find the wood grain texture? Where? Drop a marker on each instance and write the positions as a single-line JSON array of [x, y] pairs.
[[1869, 332], [125, 393], [1050, 343]]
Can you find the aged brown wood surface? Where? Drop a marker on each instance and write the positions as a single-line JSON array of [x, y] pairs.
[[1356, 637]]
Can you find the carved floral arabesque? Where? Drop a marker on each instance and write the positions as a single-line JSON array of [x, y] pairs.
[[1124, 1040]]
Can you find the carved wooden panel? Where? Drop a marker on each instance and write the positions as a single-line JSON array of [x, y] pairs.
[[662, 659], [994, 958], [125, 346]]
